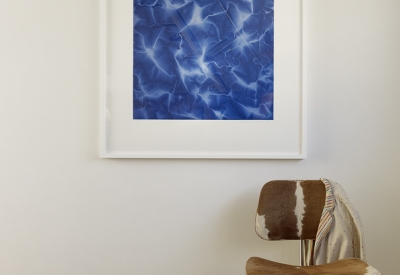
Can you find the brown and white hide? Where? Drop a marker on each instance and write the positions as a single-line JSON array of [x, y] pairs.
[[259, 266], [290, 210]]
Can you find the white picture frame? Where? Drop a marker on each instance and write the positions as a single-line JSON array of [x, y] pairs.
[[123, 137]]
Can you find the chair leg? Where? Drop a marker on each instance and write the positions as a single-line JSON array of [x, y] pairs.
[[307, 252]]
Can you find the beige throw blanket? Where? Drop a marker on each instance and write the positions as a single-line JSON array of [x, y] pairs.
[[340, 232]]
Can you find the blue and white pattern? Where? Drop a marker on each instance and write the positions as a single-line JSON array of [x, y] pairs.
[[203, 59]]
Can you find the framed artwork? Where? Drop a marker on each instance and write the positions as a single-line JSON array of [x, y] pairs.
[[202, 79]]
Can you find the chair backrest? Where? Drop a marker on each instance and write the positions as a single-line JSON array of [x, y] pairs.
[[290, 210]]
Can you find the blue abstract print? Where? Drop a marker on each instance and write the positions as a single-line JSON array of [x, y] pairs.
[[203, 59]]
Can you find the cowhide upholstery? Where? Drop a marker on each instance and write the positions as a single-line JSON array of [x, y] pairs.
[[290, 210], [259, 266]]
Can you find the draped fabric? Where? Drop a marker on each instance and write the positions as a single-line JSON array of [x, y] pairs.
[[326, 221], [340, 232]]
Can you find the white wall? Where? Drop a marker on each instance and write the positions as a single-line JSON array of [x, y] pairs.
[[65, 211]]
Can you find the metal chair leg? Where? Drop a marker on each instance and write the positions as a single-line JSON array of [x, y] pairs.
[[306, 252]]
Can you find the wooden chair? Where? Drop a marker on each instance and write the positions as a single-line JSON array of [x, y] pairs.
[[281, 215]]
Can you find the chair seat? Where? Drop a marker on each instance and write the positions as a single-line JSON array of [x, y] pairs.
[[259, 266]]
